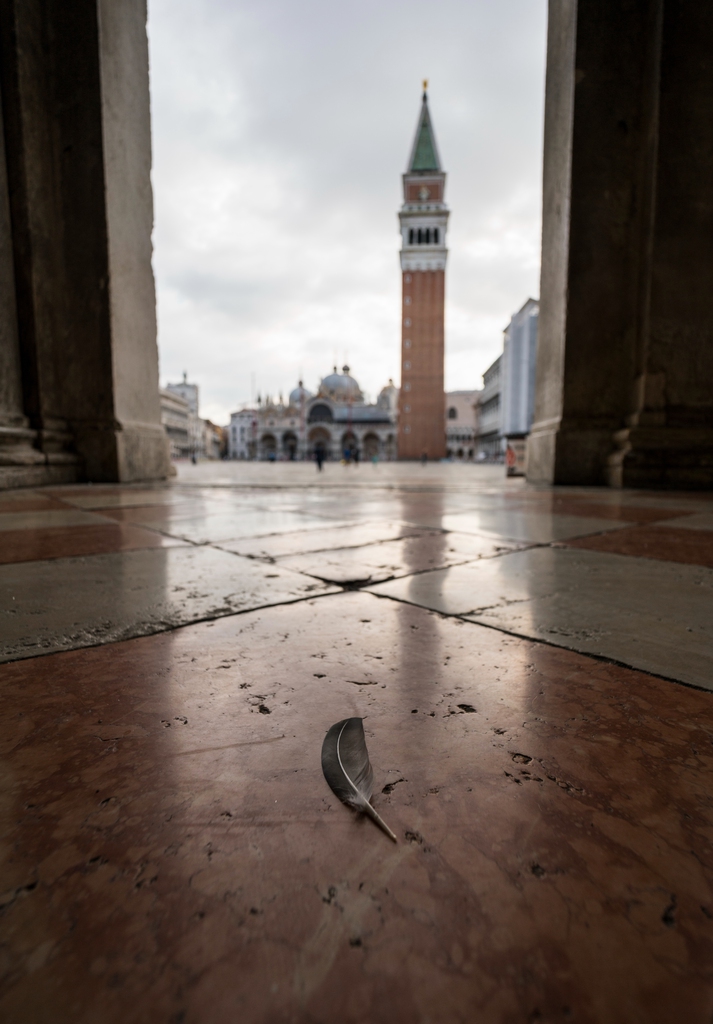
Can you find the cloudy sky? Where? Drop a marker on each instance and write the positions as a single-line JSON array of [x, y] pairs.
[[281, 130]]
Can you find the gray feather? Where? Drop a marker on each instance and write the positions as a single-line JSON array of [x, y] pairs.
[[347, 768]]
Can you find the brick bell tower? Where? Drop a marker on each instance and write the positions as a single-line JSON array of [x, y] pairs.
[[423, 218]]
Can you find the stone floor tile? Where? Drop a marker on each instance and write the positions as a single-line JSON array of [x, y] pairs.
[[174, 853], [655, 616], [347, 535], [77, 602], [44, 519], [601, 510], [663, 542], [28, 501], [519, 525], [75, 541], [118, 496], [697, 521], [230, 525], [165, 514]]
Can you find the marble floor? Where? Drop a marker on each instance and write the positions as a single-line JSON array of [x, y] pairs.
[[534, 669]]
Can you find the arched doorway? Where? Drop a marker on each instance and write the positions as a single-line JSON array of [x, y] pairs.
[[350, 446], [319, 440], [268, 447], [371, 446], [289, 445]]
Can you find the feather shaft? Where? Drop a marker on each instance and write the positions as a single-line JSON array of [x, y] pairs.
[[375, 816], [347, 769]]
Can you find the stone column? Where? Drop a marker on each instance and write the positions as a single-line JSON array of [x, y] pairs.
[[75, 86], [668, 437], [18, 453], [623, 391]]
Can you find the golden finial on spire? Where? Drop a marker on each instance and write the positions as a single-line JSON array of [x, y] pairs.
[[425, 84]]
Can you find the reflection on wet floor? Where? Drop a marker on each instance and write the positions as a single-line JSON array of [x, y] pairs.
[[173, 851]]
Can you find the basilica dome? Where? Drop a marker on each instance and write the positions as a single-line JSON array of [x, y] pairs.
[[340, 387], [299, 394]]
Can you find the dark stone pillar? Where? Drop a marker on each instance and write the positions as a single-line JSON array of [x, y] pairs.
[[624, 391], [18, 455], [78, 153]]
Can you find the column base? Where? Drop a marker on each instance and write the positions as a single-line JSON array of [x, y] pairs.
[[123, 453], [675, 458], [568, 453], [24, 465]]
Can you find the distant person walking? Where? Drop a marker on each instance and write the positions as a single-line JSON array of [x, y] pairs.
[[319, 456], [424, 457]]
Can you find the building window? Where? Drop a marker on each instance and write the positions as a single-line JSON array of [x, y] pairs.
[[420, 236], [407, 429], [491, 405], [452, 413], [407, 408], [407, 387], [407, 366], [410, 236], [407, 343], [407, 279], [435, 236], [407, 300], [407, 322]]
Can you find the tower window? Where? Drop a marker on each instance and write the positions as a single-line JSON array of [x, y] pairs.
[[428, 235], [420, 236], [452, 413], [435, 236], [410, 236]]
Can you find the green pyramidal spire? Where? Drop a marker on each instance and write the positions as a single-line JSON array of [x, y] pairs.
[[424, 155]]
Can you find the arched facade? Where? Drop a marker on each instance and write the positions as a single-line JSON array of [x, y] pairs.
[[336, 419]]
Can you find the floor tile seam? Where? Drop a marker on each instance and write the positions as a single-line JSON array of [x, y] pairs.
[[605, 659], [360, 584], [282, 533], [168, 628], [273, 559], [103, 554], [68, 503], [93, 554], [100, 519]]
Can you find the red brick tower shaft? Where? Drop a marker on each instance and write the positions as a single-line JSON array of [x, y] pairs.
[[424, 220], [422, 352]]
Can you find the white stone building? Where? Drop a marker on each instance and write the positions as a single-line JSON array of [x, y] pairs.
[[337, 421], [461, 423], [489, 435], [518, 371], [176, 420], [193, 437]]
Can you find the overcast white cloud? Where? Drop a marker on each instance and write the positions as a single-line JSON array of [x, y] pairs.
[[281, 130]]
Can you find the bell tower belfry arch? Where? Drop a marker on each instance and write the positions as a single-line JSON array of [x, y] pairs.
[[423, 219]]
